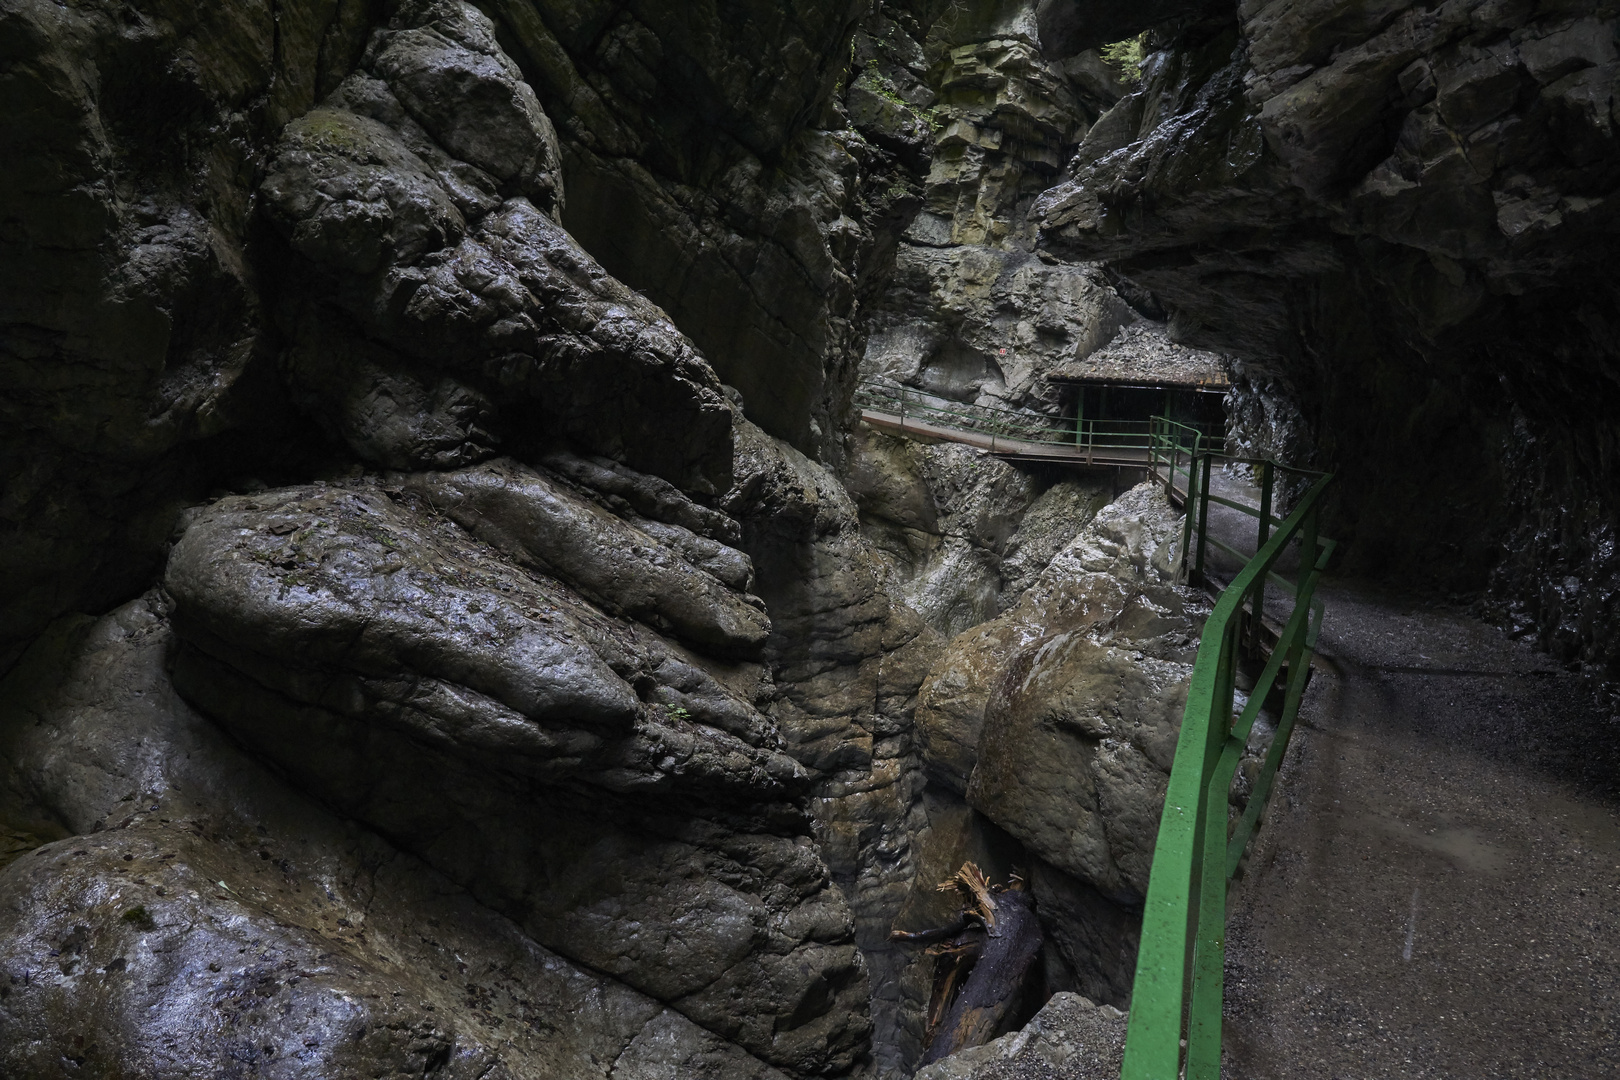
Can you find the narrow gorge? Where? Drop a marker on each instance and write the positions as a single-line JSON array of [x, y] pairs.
[[455, 620]]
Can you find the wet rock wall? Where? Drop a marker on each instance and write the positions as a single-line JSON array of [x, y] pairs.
[[1397, 218]]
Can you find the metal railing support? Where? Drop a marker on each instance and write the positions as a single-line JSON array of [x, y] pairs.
[[1156, 442], [1174, 1031], [1187, 517], [1203, 516], [1267, 475]]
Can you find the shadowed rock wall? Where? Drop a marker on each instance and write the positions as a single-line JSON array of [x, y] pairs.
[[1399, 216], [467, 559]]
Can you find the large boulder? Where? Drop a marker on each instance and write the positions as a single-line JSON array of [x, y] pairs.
[[1125, 556], [1075, 754], [1071, 1038], [201, 916], [613, 792], [419, 205]]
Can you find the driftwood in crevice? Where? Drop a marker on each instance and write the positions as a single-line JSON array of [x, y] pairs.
[[985, 961]]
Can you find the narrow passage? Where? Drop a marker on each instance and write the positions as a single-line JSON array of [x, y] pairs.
[[1436, 892]]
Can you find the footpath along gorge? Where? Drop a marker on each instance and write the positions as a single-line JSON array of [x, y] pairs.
[[454, 621]]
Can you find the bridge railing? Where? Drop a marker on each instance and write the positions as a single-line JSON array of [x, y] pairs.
[[1097, 435], [1173, 447], [923, 408], [1176, 1002]]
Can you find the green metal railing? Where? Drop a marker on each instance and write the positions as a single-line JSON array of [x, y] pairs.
[[1171, 442], [926, 409], [1176, 1002], [1087, 434]]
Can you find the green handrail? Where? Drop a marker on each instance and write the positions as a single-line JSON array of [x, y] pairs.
[[1177, 996], [1170, 439]]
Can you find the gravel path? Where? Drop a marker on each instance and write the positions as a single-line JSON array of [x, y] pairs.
[[1437, 891]]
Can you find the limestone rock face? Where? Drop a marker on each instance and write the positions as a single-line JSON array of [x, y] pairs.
[[207, 918], [718, 182], [462, 309], [1071, 1038], [469, 97], [1396, 217], [1074, 754], [848, 658], [132, 338], [961, 533], [974, 323], [1121, 563], [584, 775], [971, 314], [472, 556]]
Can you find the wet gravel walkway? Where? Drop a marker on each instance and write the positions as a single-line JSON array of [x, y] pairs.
[[1437, 891]]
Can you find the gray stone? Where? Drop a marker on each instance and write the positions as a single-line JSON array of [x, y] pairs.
[[616, 564], [848, 657], [374, 651], [1125, 552], [442, 61], [1069, 1039], [201, 890], [1075, 754], [960, 532], [351, 197]]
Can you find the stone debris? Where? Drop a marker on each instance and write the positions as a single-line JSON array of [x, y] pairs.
[[1142, 354], [1069, 1039]]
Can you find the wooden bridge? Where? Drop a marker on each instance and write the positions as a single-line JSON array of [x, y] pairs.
[[1017, 436], [1006, 446]]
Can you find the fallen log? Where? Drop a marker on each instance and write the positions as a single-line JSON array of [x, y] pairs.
[[985, 960]]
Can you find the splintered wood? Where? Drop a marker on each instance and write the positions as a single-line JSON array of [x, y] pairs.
[[984, 961]]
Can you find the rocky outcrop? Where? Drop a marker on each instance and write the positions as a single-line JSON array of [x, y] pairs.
[[205, 917], [1124, 554], [970, 313], [1396, 217], [960, 532], [378, 654], [465, 317], [1071, 1038]]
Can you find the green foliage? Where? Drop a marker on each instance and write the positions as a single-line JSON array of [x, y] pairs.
[[1126, 57], [677, 713], [886, 90], [139, 918]]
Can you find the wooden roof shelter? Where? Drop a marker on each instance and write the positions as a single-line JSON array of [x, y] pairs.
[[1142, 355]]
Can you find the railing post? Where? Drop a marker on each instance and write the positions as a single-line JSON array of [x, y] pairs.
[[1203, 514], [1267, 474], [1153, 449], [1187, 516], [1307, 550]]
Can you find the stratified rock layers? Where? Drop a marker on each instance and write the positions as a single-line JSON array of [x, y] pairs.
[[209, 919]]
